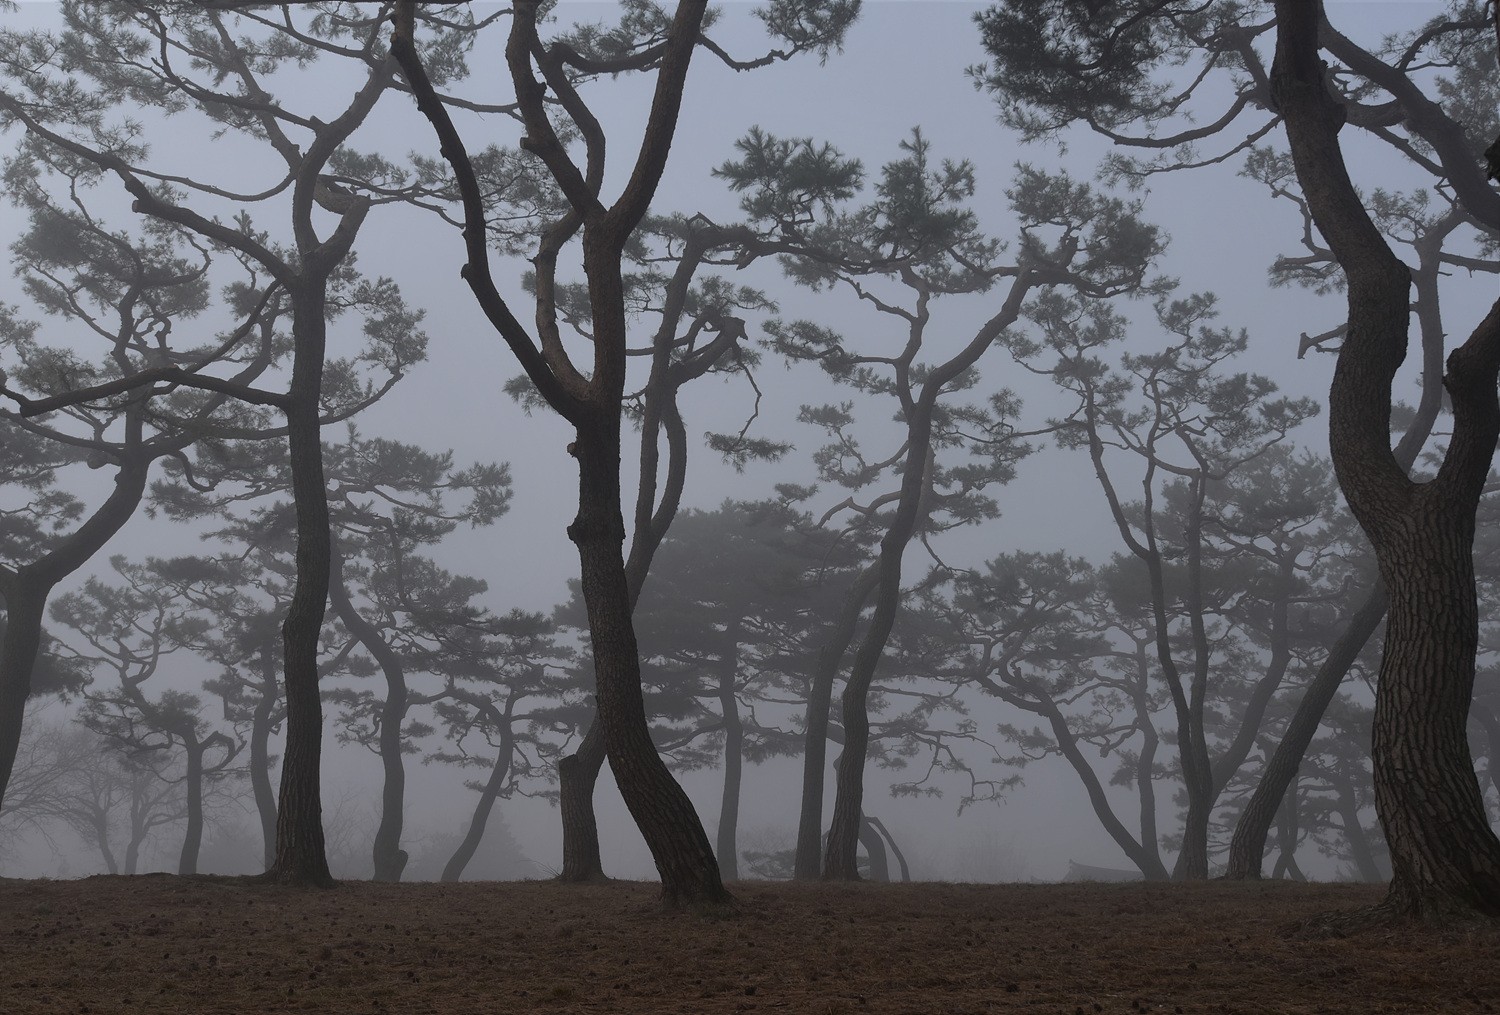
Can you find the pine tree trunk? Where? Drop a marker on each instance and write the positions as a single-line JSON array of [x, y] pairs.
[[577, 775], [880, 867], [662, 811], [1248, 845], [1445, 860], [25, 606], [734, 747], [192, 838], [809, 860], [260, 756], [453, 870], [1360, 851], [301, 856]]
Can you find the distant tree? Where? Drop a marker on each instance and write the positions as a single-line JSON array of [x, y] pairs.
[[74, 94], [1431, 95], [499, 663], [129, 629], [919, 237]]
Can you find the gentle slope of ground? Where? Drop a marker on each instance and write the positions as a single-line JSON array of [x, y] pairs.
[[208, 945]]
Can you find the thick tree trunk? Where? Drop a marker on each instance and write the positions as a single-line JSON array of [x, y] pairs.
[[453, 870], [25, 606], [1248, 846], [301, 857], [576, 776], [192, 837], [734, 747], [662, 811], [1445, 859]]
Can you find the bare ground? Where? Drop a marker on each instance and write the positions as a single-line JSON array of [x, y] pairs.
[[209, 945]]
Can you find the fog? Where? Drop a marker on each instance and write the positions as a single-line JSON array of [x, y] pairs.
[[900, 67]]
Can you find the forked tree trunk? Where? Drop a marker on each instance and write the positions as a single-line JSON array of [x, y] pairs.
[[809, 860], [869, 837], [1445, 860]]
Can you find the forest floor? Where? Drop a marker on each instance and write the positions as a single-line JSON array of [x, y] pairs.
[[159, 943]]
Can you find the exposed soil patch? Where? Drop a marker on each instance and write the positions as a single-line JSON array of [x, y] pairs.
[[208, 945]]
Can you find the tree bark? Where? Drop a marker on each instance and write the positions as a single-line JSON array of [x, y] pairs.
[[192, 837], [662, 811], [260, 754], [301, 856], [576, 777], [809, 861], [1445, 859], [25, 606], [734, 747]]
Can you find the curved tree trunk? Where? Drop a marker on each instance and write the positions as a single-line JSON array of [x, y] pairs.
[[662, 811], [1360, 851], [869, 837], [890, 841], [453, 870], [1445, 859], [301, 857], [389, 858]]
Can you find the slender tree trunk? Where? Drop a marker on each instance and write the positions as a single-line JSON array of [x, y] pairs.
[[809, 861], [880, 866], [1248, 845], [301, 856], [662, 811], [453, 870], [101, 838], [1360, 850], [734, 747], [260, 756], [389, 858], [192, 837], [890, 841], [815, 732]]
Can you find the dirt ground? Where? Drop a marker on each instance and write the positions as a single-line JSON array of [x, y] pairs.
[[207, 945]]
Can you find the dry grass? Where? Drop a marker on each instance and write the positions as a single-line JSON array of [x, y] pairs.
[[166, 944]]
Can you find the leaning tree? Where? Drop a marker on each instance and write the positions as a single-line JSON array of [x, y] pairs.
[[592, 401]]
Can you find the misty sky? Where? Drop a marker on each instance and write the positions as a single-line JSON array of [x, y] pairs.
[[903, 67]]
